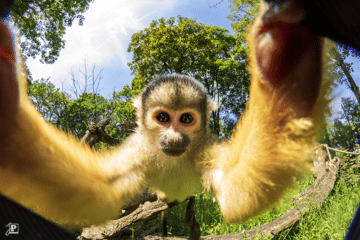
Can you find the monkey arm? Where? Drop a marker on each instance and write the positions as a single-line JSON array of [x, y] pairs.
[[48, 171], [285, 113], [9, 97]]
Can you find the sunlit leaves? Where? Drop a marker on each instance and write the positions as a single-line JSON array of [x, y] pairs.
[[208, 53], [42, 24]]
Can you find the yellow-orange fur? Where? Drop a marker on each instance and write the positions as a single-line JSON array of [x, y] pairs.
[[270, 147], [51, 173]]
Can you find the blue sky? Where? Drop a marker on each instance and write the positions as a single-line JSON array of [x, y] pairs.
[[104, 38]]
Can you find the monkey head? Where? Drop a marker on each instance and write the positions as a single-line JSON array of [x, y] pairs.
[[173, 111]]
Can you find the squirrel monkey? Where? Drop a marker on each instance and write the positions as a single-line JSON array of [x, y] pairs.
[[172, 149]]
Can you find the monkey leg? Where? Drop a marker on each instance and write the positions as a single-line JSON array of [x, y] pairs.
[[164, 223]]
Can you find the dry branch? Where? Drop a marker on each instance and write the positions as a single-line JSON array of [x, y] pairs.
[[114, 228], [95, 133]]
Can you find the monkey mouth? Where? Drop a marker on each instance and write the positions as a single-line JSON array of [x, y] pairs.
[[173, 151]]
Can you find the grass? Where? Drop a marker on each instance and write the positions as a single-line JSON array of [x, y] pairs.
[[330, 221]]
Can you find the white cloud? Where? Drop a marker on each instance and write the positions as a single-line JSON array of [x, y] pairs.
[[103, 39]]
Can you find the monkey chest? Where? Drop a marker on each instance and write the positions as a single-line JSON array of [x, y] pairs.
[[175, 182]]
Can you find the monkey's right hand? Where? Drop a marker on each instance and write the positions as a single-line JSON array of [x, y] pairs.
[[9, 91], [288, 55], [287, 103]]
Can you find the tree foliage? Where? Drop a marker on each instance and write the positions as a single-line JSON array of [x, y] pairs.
[[42, 25], [340, 131], [243, 15], [165, 47], [343, 127], [350, 112], [47, 99], [123, 112], [75, 115], [81, 112]]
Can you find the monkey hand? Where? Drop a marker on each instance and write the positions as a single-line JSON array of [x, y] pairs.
[[288, 55], [9, 92]]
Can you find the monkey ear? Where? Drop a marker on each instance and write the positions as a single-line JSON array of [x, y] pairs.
[[136, 102], [212, 105]]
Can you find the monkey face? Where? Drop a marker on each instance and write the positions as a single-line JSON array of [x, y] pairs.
[[173, 113], [174, 128]]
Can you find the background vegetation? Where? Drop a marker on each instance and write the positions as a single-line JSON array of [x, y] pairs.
[[330, 221]]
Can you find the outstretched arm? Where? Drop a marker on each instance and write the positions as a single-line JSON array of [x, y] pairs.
[[9, 92], [273, 139], [48, 171]]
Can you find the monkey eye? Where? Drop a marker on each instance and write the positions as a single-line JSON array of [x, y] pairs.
[[186, 118], [163, 117]]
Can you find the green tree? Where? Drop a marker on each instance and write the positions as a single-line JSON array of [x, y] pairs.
[[209, 54], [123, 112], [42, 24], [351, 112], [47, 99], [343, 127], [167, 48], [341, 70], [341, 131], [243, 15], [81, 112], [76, 115]]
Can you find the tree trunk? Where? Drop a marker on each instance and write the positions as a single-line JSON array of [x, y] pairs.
[[353, 87]]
